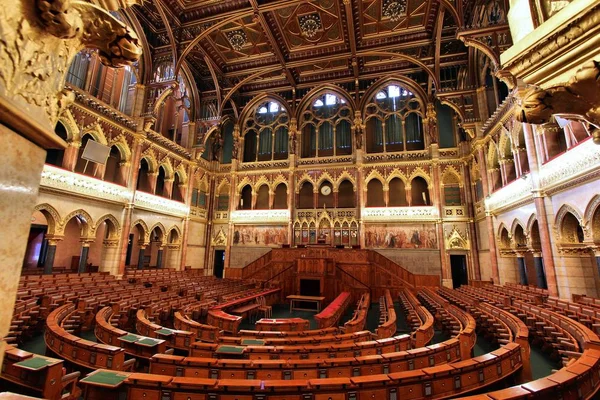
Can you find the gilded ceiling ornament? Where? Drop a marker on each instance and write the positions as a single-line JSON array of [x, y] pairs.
[[393, 10], [237, 39], [310, 24]]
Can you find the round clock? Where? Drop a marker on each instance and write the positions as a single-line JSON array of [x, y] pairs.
[[325, 190]]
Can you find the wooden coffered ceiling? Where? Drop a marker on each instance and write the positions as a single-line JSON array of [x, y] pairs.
[[354, 41]]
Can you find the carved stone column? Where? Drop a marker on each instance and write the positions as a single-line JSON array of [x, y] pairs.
[[52, 241], [141, 254], [110, 257], [38, 40], [168, 189], [522, 269], [540, 276], [159, 256], [71, 155], [172, 259], [85, 251], [152, 178], [540, 208], [186, 221]]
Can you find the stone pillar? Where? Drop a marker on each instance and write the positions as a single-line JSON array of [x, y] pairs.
[[540, 208], [168, 190], [159, 257], [141, 254], [522, 269], [315, 197], [386, 195], [538, 263], [52, 241], [470, 207], [83, 258], [110, 257], [152, 178], [493, 250], [488, 216], [37, 48], [408, 192], [71, 155], [172, 259], [124, 173]]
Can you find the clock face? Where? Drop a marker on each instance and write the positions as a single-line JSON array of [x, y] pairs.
[[325, 190]]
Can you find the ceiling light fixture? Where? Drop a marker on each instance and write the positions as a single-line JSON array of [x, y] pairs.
[[237, 39], [310, 24], [394, 10]]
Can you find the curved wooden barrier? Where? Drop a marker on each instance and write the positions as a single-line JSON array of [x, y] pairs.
[[388, 327], [359, 319], [79, 351], [438, 382]]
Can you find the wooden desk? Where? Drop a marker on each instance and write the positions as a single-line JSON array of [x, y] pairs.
[[309, 299]]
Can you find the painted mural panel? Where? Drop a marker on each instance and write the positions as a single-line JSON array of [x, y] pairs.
[[244, 235], [414, 236]]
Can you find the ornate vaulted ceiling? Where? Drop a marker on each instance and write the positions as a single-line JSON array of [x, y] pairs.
[[295, 44]]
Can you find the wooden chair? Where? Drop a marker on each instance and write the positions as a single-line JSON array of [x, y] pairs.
[[264, 308]]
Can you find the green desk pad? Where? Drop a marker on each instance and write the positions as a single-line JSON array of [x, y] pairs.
[[165, 332], [230, 349], [35, 363], [130, 338], [109, 378], [253, 342], [148, 342]]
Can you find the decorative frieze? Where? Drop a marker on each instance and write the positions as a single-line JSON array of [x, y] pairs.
[[514, 192], [160, 204], [260, 216], [576, 162], [398, 214]]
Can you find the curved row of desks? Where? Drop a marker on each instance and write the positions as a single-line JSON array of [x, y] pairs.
[[448, 380]]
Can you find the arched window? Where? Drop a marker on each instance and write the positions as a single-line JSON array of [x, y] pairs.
[[266, 133], [571, 231], [246, 198], [375, 193], [519, 237], [280, 201], [112, 171], [143, 181], [262, 198], [55, 156], [325, 198], [504, 239], [393, 121], [223, 199], [326, 127], [160, 182], [227, 133], [199, 195], [306, 196], [83, 166], [452, 192], [419, 192], [346, 197], [177, 192], [397, 193]]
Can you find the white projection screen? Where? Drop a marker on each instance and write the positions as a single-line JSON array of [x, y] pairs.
[[96, 152]]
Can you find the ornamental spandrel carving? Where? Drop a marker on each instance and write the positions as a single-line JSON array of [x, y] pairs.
[[38, 40]]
